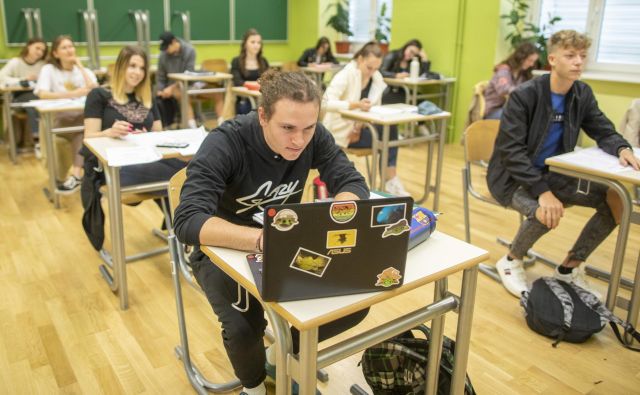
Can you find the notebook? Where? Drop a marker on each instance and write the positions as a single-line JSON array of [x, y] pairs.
[[332, 248]]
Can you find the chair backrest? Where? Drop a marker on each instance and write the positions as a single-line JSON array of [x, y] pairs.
[[630, 124], [217, 65], [291, 65], [175, 186], [478, 103], [479, 138]]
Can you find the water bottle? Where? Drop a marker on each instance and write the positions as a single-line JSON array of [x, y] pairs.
[[414, 69]]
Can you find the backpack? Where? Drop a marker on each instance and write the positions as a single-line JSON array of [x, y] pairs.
[[398, 366], [566, 312]]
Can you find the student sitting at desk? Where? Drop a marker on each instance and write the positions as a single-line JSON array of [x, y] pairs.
[[249, 66], [508, 75], [23, 71], [176, 56], [64, 78], [359, 86], [543, 118], [318, 55], [396, 64], [247, 163], [127, 106]]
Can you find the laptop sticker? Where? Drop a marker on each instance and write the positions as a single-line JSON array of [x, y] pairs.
[[343, 212], [285, 220], [310, 262], [255, 260], [387, 214], [341, 238], [396, 229], [389, 276]]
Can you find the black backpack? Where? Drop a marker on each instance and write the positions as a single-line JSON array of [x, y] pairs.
[[566, 312], [398, 366]]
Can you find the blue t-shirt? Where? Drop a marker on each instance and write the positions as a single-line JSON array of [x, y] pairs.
[[552, 144]]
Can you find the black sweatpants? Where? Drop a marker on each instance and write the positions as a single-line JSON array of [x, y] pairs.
[[242, 332]]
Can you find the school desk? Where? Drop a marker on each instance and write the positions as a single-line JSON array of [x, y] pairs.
[[7, 99], [430, 262], [404, 117], [186, 78], [593, 165], [250, 94], [316, 72]]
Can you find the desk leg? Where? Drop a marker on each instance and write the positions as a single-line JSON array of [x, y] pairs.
[[634, 305], [184, 104], [52, 189], [442, 138], [308, 361], [384, 155], [435, 345], [6, 106], [463, 332], [283, 344], [119, 284]]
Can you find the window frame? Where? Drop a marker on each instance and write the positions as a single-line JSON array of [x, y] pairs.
[[593, 29]]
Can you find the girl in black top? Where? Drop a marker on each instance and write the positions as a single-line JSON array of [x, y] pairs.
[[126, 107], [249, 66], [396, 64], [318, 55]]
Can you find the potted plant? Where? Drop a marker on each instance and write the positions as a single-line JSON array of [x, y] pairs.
[[383, 28], [339, 22], [526, 31]]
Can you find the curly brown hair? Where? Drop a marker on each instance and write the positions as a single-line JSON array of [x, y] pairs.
[[292, 85], [568, 39]]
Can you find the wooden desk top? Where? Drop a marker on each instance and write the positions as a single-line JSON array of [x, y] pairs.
[[242, 91], [58, 105], [436, 258], [392, 119], [418, 82], [576, 161], [206, 78]]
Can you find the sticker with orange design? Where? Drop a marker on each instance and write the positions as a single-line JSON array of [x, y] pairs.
[[389, 277], [343, 212]]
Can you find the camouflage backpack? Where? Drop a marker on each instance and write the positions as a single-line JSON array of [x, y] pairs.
[[398, 366]]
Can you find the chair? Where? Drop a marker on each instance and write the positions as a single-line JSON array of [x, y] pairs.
[[477, 106], [291, 65], [366, 152]]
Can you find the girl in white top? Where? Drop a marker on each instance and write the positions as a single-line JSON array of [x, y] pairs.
[[63, 78], [23, 71], [359, 86]]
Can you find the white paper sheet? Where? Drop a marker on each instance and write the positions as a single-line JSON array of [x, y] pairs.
[[193, 137], [595, 158], [52, 103], [387, 110], [132, 155]]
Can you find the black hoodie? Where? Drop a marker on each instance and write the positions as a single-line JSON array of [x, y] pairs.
[[235, 174]]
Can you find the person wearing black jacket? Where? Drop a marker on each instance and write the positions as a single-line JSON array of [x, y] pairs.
[[318, 55], [396, 64], [247, 163], [543, 118]]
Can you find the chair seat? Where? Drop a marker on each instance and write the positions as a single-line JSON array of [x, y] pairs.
[[131, 198], [359, 151]]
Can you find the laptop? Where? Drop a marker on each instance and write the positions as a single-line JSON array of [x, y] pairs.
[[323, 249]]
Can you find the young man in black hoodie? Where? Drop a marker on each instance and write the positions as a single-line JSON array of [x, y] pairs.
[[254, 160], [543, 118]]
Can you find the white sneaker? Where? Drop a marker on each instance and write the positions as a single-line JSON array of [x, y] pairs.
[[394, 186], [579, 277], [70, 185], [512, 275], [36, 151]]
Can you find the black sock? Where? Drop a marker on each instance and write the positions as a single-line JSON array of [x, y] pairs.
[[565, 269]]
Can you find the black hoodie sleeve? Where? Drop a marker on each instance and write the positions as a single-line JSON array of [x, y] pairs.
[[335, 168], [207, 176]]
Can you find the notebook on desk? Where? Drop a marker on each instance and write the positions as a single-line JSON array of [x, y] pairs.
[[325, 249]]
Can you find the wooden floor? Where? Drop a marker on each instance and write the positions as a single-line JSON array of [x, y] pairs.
[[62, 332]]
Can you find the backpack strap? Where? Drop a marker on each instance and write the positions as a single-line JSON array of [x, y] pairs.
[[567, 308], [607, 316]]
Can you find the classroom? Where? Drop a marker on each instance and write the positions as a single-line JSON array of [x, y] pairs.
[[146, 148]]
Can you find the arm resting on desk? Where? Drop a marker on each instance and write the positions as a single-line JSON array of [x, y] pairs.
[[220, 233]]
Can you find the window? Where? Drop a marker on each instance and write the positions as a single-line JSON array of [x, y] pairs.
[[362, 19], [612, 25]]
